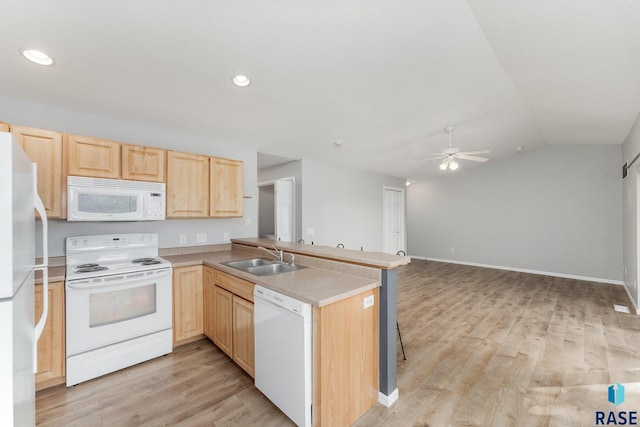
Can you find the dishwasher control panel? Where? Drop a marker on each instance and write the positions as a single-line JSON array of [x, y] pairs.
[[291, 304]]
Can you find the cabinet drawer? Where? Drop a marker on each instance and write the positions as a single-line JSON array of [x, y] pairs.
[[242, 288]]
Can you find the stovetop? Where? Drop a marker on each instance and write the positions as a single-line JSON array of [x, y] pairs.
[[112, 254]]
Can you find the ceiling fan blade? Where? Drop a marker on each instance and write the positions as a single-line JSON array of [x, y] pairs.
[[475, 152], [430, 158], [474, 158]]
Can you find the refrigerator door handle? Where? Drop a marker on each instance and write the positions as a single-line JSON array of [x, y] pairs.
[[44, 267]]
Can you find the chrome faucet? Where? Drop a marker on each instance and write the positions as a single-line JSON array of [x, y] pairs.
[[279, 254]]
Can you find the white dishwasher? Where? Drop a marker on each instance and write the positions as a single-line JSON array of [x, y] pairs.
[[283, 352]]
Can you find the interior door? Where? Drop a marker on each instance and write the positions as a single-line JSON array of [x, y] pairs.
[[284, 209], [393, 220]]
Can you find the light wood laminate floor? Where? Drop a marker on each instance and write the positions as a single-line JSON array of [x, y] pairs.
[[484, 347]]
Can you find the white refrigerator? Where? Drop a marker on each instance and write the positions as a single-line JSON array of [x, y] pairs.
[[18, 330]]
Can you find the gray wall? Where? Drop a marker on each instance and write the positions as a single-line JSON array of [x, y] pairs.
[[556, 209], [343, 205], [630, 149], [287, 170], [46, 117], [266, 211]]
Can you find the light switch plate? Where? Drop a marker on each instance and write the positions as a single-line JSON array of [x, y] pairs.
[[183, 239]]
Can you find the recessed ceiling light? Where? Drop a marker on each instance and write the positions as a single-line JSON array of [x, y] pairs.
[[241, 80], [337, 142], [37, 57]]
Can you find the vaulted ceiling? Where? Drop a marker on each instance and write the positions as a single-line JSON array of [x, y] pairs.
[[383, 77]]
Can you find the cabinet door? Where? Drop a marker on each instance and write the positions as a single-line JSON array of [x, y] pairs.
[[51, 345], [143, 163], [93, 157], [243, 347], [226, 188], [187, 304], [45, 148], [208, 302], [187, 185], [223, 320], [4, 127]]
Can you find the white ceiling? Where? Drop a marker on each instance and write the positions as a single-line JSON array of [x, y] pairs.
[[385, 77]]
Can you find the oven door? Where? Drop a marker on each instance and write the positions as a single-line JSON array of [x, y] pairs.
[[112, 309]]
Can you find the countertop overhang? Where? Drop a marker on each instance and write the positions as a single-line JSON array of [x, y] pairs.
[[369, 259]]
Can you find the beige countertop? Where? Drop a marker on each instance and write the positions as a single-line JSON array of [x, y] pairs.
[[314, 285], [370, 259]]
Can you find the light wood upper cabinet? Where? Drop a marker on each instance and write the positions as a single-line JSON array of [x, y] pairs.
[[143, 163], [51, 345], [93, 157], [4, 127], [223, 319], [187, 304], [187, 185], [243, 346], [208, 302], [46, 149], [226, 188]]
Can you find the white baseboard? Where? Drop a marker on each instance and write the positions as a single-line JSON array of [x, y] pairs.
[[388, 400], [524, 270], [635, 307]]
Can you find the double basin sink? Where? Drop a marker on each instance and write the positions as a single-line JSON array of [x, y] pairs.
[[262, 266]]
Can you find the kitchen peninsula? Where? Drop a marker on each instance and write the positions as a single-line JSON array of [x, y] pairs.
[[346, 383]]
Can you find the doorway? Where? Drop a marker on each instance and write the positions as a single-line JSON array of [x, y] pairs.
[[393, 220], [276, 209]]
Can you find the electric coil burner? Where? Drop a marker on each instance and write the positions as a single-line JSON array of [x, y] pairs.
[[118, 303]]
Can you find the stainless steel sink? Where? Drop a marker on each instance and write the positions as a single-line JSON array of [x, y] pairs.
[[244, 264], [262, 267]]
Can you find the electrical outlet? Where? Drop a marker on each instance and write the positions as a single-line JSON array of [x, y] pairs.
[[310, 231], [201, 237], [368, 301], [183, 239], [453, 250], [247, 221], [225, 237]]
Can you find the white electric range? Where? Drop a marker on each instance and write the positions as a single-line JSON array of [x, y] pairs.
[[118, 303]]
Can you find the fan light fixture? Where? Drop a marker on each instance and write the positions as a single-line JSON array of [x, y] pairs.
[[449, 163]]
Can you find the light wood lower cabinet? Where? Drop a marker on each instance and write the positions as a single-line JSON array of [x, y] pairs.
[[243, 345], [51, 345], [345, 360], [229, 309], [207, 292], [187, 304], [223, 319]]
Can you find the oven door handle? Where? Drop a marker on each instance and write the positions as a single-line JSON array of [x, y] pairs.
[[123, 283]]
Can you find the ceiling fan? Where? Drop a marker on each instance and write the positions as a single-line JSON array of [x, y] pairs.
[[450, 154]]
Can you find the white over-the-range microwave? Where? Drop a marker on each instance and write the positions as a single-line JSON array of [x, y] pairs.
[[97, 199]]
